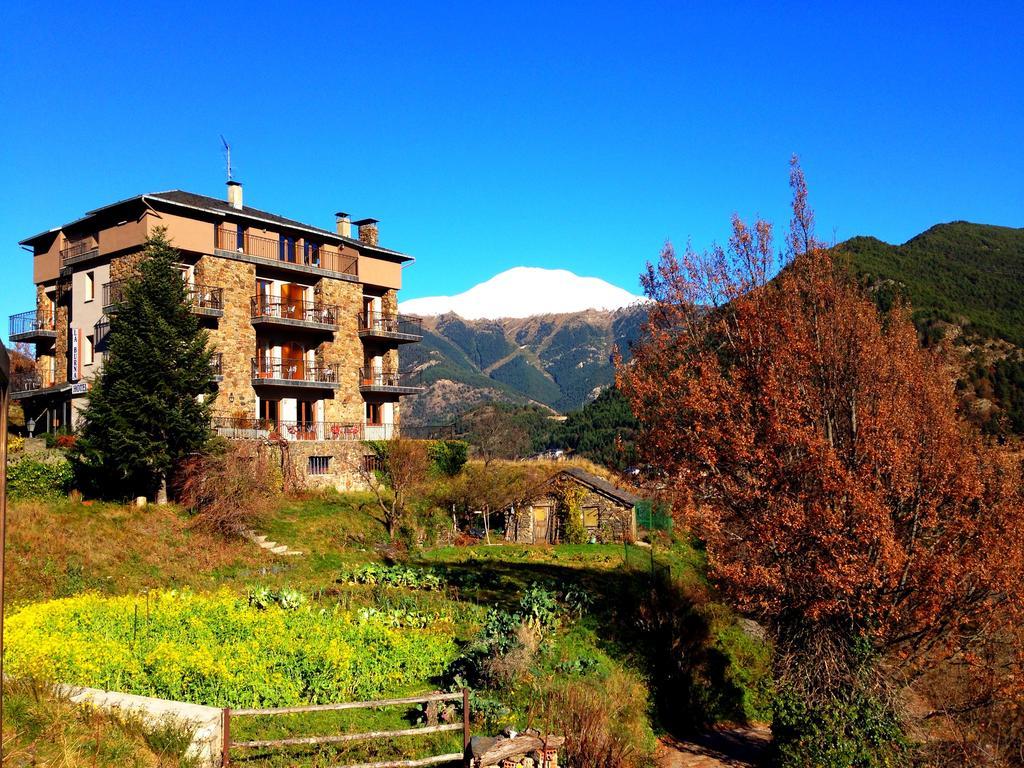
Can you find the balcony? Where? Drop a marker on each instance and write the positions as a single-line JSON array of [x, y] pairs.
[[247, 428], [101, 334], [33, 326], [80, 250], [294, 313], [294, 372], [310, 258], [25, 382], [375, 381], [244, 428], [381, 326], [204, 300]]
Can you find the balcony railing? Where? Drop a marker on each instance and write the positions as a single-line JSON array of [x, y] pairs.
[[34, 323], [263, 308], [286, 251], [204, 299], [78, 251], [244, 428], [113, 294], [293, 370], [101, 333], [27, 381], [247, 428], [389, 380], [384, 325]]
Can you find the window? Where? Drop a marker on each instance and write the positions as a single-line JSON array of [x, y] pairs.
[[87, 350], [590, 517], [319, 465], [269, 410], [372, 463], [90, 286], [374, 414]]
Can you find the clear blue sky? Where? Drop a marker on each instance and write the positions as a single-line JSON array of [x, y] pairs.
[[555, 134]]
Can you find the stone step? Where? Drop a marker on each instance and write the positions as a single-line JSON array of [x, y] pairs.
[[279, 550]]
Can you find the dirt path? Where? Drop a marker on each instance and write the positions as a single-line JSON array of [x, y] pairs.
[[720, 748]]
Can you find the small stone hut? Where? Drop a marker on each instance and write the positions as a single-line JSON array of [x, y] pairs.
[[609, 512]]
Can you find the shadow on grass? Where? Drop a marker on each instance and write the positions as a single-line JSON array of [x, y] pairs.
[[659, 627]]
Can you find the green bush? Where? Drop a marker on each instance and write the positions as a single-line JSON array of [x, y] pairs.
[[854, 732], [448, 457], [218, 650], [40, 479]]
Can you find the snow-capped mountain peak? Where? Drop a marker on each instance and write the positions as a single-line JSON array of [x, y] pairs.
[[524, 292]]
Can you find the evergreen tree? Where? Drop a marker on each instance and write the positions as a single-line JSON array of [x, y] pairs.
[[145, 413]]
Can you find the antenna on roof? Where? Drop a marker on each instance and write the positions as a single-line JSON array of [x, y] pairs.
[[227, 154]]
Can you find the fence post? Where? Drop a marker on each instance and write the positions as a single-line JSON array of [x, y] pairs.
[[465, 726], [225, 746]]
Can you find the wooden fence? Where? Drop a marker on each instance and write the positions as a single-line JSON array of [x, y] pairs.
[[342, 738]]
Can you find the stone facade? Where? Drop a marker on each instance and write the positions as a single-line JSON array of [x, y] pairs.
[[344, 460], [344, 348], [61, 346], [233, 335], [606, 518]]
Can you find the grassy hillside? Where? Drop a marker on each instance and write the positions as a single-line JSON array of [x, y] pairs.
[[963, 273], [964, 282], [582, 630]]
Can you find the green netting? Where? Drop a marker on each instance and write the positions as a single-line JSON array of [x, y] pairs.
[[654, 516]]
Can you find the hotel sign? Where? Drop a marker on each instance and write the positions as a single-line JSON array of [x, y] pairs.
[[76, 358]]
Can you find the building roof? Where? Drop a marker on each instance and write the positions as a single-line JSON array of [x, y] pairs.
[[179, 197], [602, 486]]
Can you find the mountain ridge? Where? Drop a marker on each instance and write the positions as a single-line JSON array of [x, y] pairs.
[[965, 282]]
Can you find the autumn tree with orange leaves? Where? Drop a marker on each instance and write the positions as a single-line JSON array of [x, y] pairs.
[[816, 448]]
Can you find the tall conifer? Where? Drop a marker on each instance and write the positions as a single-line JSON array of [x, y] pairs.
[[149, 407]]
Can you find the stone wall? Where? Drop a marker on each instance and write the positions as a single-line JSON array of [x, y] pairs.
[[44, 353], [233, 335], [123, 267], [345, 349], [61, 348], [615, 522], [208, 724], [346, 457]]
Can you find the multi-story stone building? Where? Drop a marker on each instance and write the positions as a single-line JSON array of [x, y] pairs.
[[304, 321]]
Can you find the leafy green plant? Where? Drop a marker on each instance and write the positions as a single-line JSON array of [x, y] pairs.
[[539, 607], [286, 599], [448, 457], [404, 576], [50, 478]]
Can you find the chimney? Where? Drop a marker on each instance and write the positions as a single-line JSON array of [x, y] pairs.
[[344, 224], [368, 231], [235, 194]]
